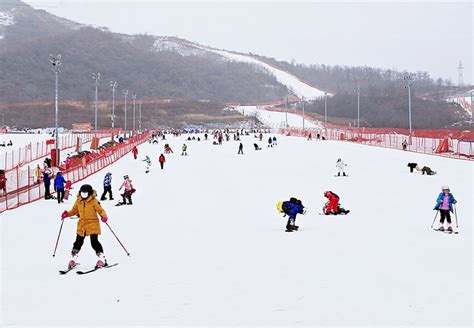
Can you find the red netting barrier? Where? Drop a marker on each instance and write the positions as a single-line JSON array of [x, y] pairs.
[[24, 184], [422, 141], [35, 151]]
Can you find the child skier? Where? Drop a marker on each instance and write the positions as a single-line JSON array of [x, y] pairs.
[[444, 204], [135, 152], [291, 208], [332, 206], [87, 207], [147, 161], [340, 167], [59, 182], [128, 191], [184, 148], [107, 187], [162, 161]]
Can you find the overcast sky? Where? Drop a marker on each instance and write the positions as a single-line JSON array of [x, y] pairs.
[[428, 36]]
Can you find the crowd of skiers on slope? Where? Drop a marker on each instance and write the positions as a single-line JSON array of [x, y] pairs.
[[89, 210]]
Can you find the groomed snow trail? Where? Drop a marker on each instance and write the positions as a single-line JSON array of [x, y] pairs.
[[208, 246], [276, 119], [300, 88]]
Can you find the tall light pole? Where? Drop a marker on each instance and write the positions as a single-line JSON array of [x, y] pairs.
[[134, 98], [113, 85], [358, 106], [140, 116], [302, 102], [96, 78], [472, 106], [56, 63], [325, 108], [125, 95], [409, 78]]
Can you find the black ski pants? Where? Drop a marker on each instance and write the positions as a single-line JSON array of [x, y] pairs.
[[107, 189], [445, 214], [96, 245], [60, 195]]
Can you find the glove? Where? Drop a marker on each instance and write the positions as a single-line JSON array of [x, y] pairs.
[[64, 215], [454, 202], [104, 219]]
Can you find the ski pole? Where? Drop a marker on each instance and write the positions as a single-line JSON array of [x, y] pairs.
[[434, 219], [456, 216], [128, 254], [59, 234]]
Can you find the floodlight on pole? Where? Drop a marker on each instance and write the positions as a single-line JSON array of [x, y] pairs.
[[56, 68], [134, 98], [113, 85], [302, 103], [125, 95], [358, 106], [96, 78], [408, 78], [325, 108], [140, 116]]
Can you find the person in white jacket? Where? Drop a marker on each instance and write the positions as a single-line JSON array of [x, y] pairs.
[[340, 167]]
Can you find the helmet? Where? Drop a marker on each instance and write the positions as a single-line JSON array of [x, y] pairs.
[[125, 177], [445, 187], [338, 159], [280, 206]]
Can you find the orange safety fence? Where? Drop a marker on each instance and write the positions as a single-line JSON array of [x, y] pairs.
[[435, 142], [35, 151], [24, 185]]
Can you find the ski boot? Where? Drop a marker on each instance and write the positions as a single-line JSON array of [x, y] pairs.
[[344, 174], [295, 227], [101, 262], [72, 261], [450, 229], [441, 228]]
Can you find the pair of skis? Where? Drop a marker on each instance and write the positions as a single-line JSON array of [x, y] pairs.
[[62, 272], [447, 231]]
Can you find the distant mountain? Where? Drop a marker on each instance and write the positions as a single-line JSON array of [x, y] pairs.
[[153, 67], [190, 76]]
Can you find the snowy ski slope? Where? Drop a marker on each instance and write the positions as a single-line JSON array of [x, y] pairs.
[[208, 246], [300, 88], [275, 119]]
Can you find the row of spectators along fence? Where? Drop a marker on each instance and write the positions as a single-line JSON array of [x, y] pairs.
[[24, 184]]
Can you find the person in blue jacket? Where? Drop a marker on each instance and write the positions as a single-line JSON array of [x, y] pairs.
[[59, 183], [291, 208], [444, 204]]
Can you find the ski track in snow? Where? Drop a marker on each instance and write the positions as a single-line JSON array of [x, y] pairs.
[[276, 119], [209, 248], [300, 88]]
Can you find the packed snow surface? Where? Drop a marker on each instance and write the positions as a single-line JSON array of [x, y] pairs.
[[208, 247], [300, 88], [276, 119]]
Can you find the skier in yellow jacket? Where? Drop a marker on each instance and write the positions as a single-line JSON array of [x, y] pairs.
[[87, 207]]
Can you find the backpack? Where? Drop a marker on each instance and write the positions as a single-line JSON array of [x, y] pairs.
[[295, 201]]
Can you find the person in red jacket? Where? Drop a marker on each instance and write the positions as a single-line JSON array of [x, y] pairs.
[[135, 152], [162, 161], [332, 206]]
